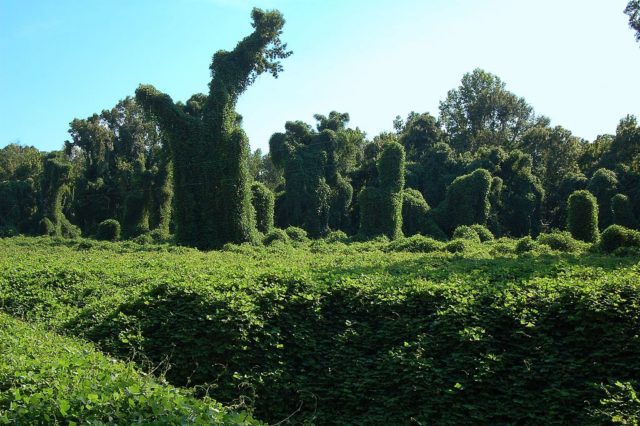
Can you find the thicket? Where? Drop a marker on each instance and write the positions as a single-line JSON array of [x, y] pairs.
[[350, 333], [46, 379]]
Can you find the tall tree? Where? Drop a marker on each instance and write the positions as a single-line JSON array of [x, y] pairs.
[[209, 148], [482, 112]]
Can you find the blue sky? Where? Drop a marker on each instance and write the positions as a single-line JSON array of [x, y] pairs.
[[575, 61]]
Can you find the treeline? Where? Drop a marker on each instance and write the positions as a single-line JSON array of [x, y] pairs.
[[152, 168], [487, 158]]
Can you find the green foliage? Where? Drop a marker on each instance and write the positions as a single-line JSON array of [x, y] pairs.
[[456, 246], [622, 211], [46, 379], [525, 245], [633, 10], [108, 230], [317, 196], [583, 216], [209, 148], [18, 207], [466, 203], [617, 236], [263, 202], [414, 212], [465, 232], [336, 237], [296, 234], [604, 185], [444, 338], [560, 241], [381, 205], [484, 233], [275, 235], [55, 181], [415, 244], [481, 112]]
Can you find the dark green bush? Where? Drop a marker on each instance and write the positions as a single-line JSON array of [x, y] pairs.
[[483, 232], [263, 202], [623, 212], [276, 235], [415, 244], [525, 245], [583, 216], [414, 212], [560, 241], [296, 234], [465, 232], [336, 237], [617, 236], [47, 227], [456, 246], [108, 230]]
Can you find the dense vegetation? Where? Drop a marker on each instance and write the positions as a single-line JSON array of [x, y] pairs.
[[477, 267], [358, 333]]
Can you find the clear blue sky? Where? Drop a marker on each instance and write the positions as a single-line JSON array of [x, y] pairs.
[[575, 61]]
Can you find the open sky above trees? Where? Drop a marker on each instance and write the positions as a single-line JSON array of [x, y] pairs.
[[574, 61]]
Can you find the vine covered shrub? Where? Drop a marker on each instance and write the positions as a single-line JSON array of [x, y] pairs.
[[583, 216], [414, 212], [209, 148], [617, 236], [54, 182], [275, 235], [483, 232], [465, 232], [560, 241], [263, 202], [525, 245], [336, 237], [296, 234], [467, 201], [415, 244], [456, 246], [622, 211], [381, 206], [108, 230], [604, 185]]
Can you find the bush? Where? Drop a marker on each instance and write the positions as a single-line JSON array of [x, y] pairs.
[[525, 244], [336, 237], [108, 230], [455, 246], [296, 234], [483, 232], [616, 236], [583, 216], [414, 212], [276, 235], [46, 227], [415, 244], [465, 232], [560, 241]]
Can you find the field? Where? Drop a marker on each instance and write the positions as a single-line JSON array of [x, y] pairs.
[[324, 332]]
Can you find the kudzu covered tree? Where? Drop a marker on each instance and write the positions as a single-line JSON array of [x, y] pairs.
[[209, 148], [55, 181], [263, 203], [317, 197], [381, 205], [583, 216]]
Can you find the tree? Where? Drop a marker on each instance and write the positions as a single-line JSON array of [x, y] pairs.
[[482, 112], [583, 216], [209, 148], [633, 10], [263, 203], [604, 185], [381, 205], [622, 212], [317, 196], [466, 203], [55, 181]]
